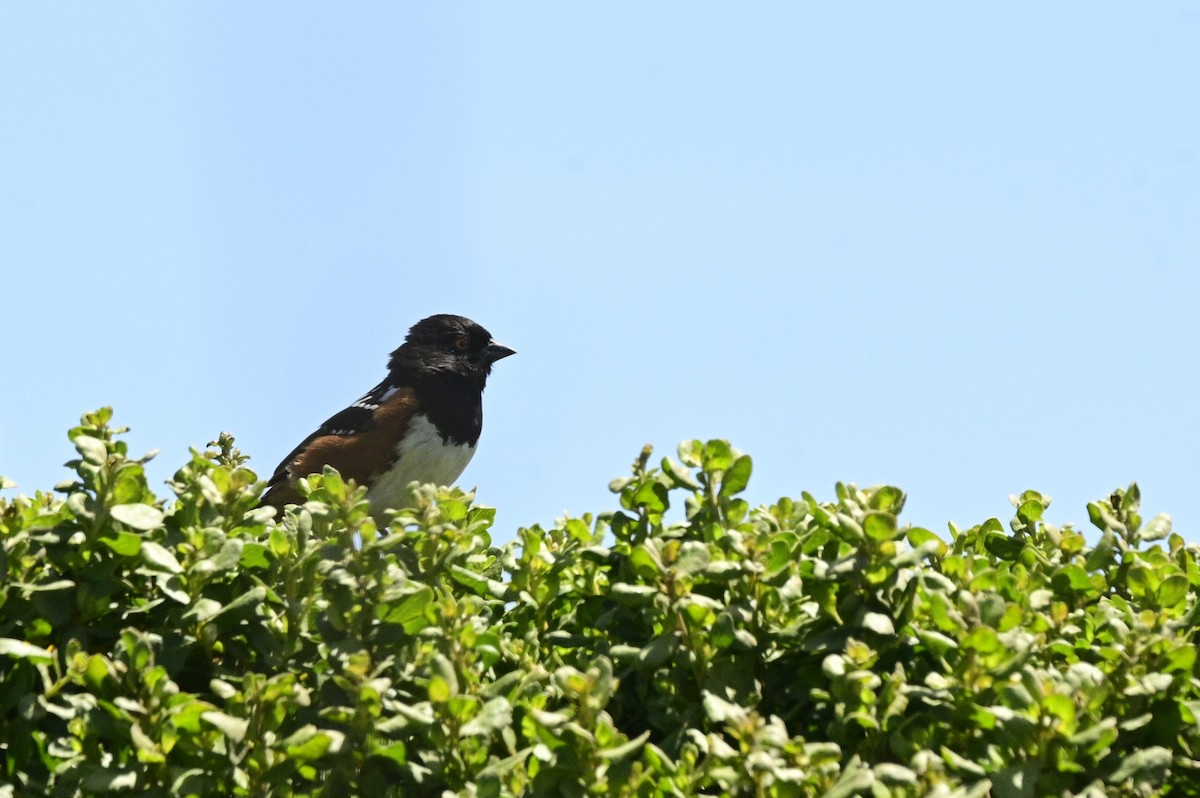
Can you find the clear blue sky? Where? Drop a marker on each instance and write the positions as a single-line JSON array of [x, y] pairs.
[[952, 247]]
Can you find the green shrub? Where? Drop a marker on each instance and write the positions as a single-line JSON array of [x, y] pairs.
[[196, 648]]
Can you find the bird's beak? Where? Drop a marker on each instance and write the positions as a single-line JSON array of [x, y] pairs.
[[496, 350]]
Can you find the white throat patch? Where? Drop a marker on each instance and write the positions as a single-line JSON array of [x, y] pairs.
[[422, 456]]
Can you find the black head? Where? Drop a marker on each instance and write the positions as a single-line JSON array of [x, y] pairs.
[[446, 344]]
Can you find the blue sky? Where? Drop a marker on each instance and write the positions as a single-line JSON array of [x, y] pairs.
[[951, 247]]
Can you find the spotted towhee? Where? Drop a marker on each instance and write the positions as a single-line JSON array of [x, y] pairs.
[[420, 424]]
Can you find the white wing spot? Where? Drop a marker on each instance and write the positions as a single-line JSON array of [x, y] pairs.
[[372, 402]]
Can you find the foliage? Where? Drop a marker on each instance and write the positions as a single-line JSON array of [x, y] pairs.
[[197, 648]]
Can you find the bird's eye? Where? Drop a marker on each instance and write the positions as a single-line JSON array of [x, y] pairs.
[[461, 344]]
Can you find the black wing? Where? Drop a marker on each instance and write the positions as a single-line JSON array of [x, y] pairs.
[[356, 418]]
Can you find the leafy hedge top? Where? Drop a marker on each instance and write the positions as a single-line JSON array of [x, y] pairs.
[[197, 648]]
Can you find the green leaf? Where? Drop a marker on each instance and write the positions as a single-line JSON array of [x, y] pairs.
[[1031, 511], [879, 526], [279, 543], [333, 484], [439, 689], [396, 753], [125, 544], [1158, 528], [619, 484], [469, 579], [1017, 781], [93, 450], [1003, 546], [203, 609], [254, 555], [895, 775], [680, 474], [159, 558], [781, 556], [658, 651], [493, 716], [719, 710], [1152, 761], [443, 669], [130, 487], [173, 587], [962, 763], [936, 642], [19, 649], [717, 456], [1063, 708], [147, 749], [1181, 659], [1104, 553], [1103, 733], [918, 536], [139, 516], [878, 623], [186, 716], [310, 743], [646, 562], [254, 596], [549, 720], [1141, 580], [693, 558], [1172, 591], [887, 499], [409, 612], [626, 749], [229, 556], [1072, 580], [652, 496], [633, 595], [991, 525], [231, 727], [982, 639], [691, 453], [737, 477], [98, 779], [96, 671], [853, 781]]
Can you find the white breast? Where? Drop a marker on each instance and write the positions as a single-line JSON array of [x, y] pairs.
[[422, 456]]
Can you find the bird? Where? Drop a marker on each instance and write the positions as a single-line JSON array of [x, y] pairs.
[[421, 423]]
